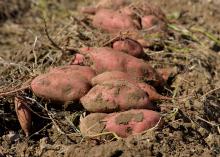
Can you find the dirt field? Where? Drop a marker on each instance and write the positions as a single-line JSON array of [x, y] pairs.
[[37, 35]]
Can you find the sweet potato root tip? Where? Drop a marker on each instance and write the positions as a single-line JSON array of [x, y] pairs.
[[152, 93]]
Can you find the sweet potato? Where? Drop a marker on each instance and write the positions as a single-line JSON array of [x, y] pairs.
[[24, 115], [115, 95], [122, 123], [106, 59], [118, 75], [129, 46], [152, 23], [63, 84], [113, 21]]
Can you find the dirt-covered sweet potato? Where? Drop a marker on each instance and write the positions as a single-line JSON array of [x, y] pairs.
[[115, 95], [118, 75], [113, 21], [122, 123], [129, 46], [107, 59], [63, 84]]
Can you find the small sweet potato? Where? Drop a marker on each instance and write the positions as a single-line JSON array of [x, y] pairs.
[[152, 23], [118, 75], [63, 84], [122, 123], [106, 59], [24, 115], [112, 21], [129, 46], [115, 95]]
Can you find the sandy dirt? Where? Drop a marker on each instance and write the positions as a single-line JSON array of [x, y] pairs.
[[38, 35]]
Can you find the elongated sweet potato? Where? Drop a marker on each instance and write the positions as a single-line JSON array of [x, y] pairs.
[[118, 75], [106, 59], [116, 95], [24, 115], [112, 21], [122, 123], [129, 46], [63, 84]]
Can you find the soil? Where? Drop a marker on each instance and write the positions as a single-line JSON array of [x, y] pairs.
[[38, 35]]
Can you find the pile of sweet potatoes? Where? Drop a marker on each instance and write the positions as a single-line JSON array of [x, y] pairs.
[[113, 84], [115, 16]]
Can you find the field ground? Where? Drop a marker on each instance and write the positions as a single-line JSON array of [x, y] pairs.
[[192, 120]]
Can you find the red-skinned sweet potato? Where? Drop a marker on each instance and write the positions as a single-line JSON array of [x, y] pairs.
[[118, 75], [63, 84], [115, 95], [129, 46], [106, 59], [152, 23], [24, 115], [113, 21], [122, 123]]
